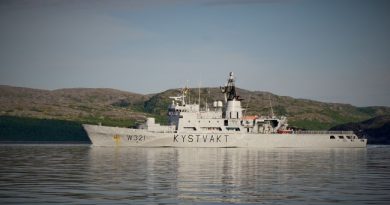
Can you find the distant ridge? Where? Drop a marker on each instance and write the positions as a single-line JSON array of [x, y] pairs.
[[121, 108], [376, 130], [303, 113], [74, 104]]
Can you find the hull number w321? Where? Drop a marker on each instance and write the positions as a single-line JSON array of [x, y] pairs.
[[136, 138]]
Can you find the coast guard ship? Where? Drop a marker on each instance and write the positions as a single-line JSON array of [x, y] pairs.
[[223, 125]]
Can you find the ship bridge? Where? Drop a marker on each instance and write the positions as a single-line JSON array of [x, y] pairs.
[[221, 117]]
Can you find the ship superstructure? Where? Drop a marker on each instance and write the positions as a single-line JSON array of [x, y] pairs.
[[222, 125]]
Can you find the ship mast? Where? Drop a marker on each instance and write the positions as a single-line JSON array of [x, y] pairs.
[[199, 94], [232, 108], [229, 90]]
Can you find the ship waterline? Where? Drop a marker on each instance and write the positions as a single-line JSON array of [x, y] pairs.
[[222, 125], [114, 136]]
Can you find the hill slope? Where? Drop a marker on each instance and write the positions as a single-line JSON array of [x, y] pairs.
[[301, 113], [377, 129], [120, 108], [32, 130], [112, 107]]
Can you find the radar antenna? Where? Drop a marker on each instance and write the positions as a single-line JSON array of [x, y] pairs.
[[183, 95]]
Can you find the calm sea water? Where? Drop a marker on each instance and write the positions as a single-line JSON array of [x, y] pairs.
[[60, 174]]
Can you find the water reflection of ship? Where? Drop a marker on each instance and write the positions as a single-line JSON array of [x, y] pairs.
[[222, 175]]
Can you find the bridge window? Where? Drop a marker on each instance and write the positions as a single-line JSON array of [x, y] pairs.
[[341, 137], [233, 129], [332, 137]]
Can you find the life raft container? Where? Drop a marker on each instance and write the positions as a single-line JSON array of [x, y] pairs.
[[284, 131]]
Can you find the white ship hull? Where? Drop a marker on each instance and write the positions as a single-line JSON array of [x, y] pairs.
[[114, 136]]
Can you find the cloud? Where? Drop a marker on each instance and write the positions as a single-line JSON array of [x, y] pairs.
[[148, 46], [79, 4], [121, 4], [40, 42], [240, 2], [64, 30]]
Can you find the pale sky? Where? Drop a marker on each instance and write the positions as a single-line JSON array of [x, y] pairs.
[[325, 50]]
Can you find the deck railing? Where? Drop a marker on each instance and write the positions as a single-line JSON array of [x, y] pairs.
[[324, 132]]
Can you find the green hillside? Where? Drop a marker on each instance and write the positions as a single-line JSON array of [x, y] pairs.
[[302, 113], [108, 106], [23, 129], [376, 130], [26, 110]]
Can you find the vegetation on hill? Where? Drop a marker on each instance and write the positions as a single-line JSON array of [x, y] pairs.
[[23, 129], [108, 106], [302, 113], [376, 130], [124, 109]]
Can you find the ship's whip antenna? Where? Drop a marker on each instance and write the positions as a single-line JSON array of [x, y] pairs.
[[199, 93], [247, 105], [270, 105], [208, 95], [189, 93]]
